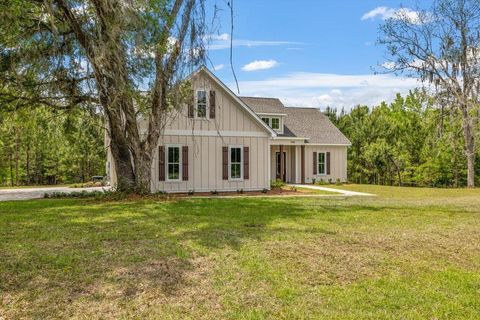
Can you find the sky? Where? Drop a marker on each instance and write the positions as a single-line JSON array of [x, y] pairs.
[[308, 53]]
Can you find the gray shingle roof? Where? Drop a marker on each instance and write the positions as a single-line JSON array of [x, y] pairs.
[[264, 105], [300, 122]]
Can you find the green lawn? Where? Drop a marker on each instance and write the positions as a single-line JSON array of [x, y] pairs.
[[405, 254]]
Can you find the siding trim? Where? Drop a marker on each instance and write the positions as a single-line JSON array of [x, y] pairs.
[[215, 133]]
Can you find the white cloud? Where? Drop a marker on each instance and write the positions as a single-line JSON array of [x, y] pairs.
[[386, 13], [260, 65], [222, 41], [302, 89], [218, 67], [221, 37]]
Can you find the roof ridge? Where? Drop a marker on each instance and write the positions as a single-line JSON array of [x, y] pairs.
[[258, 97]]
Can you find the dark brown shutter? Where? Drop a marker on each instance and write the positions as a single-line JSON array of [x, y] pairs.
[[185, 163], [246, 163], [225, 163], [161, 163], [315, 164], [212, 104], [191, 107], [328, 162]]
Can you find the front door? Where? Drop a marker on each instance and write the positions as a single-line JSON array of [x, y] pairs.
[[278, 166]]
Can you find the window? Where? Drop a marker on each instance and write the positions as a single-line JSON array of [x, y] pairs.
[[321, 163], [276, 123], [266, 120], [201, 104], [235, 162], [173, 163]]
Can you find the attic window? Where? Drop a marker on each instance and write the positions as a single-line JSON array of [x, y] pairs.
[[266, 120], [275, 123], [201, 104]]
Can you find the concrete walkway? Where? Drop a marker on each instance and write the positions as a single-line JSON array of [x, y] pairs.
[[37, 193], [343, 192]]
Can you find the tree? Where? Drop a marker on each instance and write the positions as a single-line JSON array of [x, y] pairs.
[[128, 57], [442, 46]]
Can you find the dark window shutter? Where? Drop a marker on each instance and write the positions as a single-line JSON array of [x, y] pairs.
[[225, 163], [328, 162], [212, 104], [246, 163], [315, 164], [161, 163], [191, 107], [185, 163]]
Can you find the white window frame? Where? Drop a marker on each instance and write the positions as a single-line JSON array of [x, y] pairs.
[[168, 146], [269, 118], [279, 123], [206, 104], [230, 162], [324, 163]]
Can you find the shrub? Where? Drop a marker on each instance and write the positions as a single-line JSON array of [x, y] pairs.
[[321, 182], [265, 190], [277, 183], [338, 182], [313, 180]]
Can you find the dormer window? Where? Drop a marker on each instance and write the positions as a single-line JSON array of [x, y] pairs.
[[275, 123], [201, 104]]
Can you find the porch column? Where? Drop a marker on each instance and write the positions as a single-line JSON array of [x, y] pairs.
[[302, 163], [282, 164]]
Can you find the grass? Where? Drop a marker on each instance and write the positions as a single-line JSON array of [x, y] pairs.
[[406, 254], [301, 190]]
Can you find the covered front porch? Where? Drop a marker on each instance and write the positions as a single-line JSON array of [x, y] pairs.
[[287, 161]]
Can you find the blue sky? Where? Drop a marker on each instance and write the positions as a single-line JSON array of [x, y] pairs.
[[309, 53]]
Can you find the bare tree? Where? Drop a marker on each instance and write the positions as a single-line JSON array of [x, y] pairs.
[[128, 57], [441, 45]]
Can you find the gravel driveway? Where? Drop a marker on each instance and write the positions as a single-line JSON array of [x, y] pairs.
[[36, 193]]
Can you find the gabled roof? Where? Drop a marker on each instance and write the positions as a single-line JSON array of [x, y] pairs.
[[306, 123], [242, 104]]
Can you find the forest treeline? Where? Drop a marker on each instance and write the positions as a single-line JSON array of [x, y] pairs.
[[44, 146], [408, 142]]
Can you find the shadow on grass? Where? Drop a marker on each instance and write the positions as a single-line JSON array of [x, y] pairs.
[[77, 248]]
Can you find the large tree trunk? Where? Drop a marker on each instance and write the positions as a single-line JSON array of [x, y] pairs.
[[469, 147]]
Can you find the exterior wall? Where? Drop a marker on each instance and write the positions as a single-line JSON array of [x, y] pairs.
[[205, 139], [338, 163], [205, 164]]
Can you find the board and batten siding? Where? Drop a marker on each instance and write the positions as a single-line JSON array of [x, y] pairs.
[[205, 164], [205, 138], [338, 163]]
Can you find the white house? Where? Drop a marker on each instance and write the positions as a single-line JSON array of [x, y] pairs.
[[226, 143]]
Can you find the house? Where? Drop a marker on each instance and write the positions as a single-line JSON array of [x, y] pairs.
[[224, 142]]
